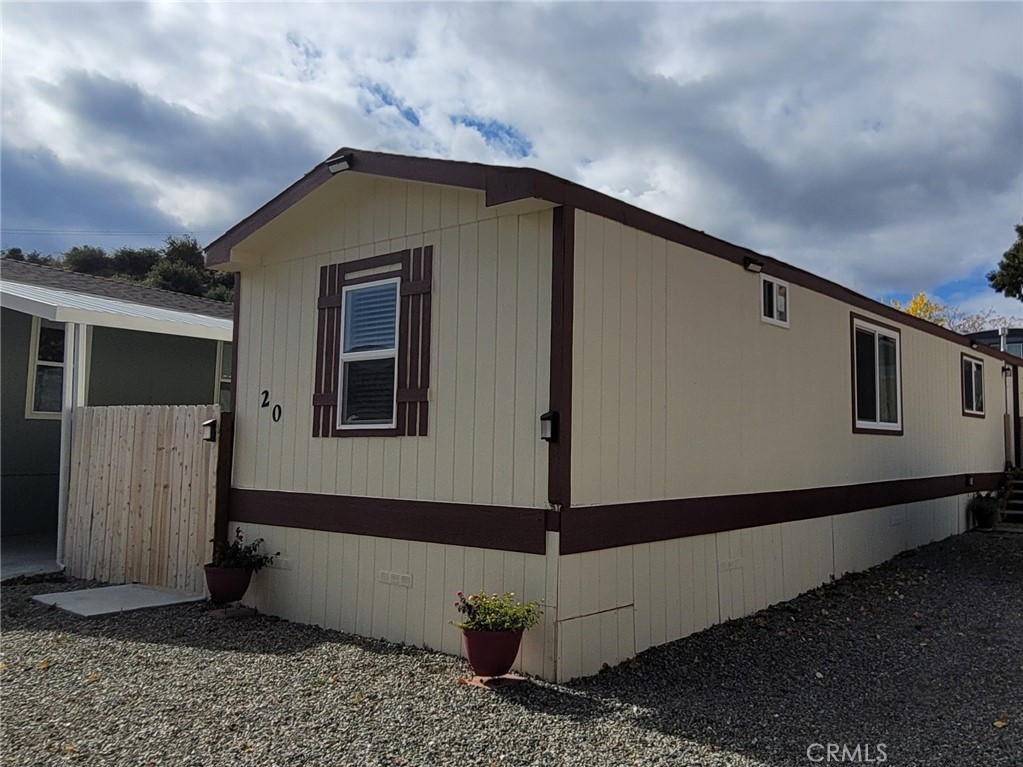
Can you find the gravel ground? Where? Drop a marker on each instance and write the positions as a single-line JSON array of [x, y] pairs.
[[923, 655]]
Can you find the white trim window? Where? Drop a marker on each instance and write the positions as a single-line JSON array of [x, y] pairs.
[[45, 391], [877, 377], [222, 391], [973, 386], [369, 355], [774, 301]]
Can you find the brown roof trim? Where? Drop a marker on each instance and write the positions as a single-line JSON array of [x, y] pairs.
[[592, 528], [507, 184], [504, 528]]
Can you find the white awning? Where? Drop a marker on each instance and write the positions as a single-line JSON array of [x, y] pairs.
[[66, 306]]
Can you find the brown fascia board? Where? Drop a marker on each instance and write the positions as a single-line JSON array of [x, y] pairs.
[[502, 184]]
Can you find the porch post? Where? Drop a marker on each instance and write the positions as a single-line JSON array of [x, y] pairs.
[[75, 369]]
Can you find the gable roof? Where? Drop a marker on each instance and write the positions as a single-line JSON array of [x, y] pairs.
[[119, 290], [503, 184]]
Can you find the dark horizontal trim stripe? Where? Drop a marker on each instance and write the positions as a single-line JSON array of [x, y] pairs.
[[505, 528], [594, 528]]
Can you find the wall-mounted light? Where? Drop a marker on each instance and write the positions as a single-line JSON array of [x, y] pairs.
[[1006, 370], [969, 480], [339, 163], [209, 430], [549, 426], [973, 344], [750, 264]]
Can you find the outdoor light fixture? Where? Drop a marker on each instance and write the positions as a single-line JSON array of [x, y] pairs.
[[969, 480], [209, 430], [549, 426], [750, 264], [973, 344], [1006, 370], [339, 163]]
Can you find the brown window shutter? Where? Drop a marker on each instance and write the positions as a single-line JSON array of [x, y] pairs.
[[414, 346], [416, 269], [328, 327]]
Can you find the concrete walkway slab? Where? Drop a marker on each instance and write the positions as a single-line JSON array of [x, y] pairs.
[[107, 600]]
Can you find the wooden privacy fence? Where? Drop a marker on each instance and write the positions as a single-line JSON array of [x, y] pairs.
[[143, 495]]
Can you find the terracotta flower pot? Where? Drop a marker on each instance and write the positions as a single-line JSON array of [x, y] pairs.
[[227, 584], [491, 653]]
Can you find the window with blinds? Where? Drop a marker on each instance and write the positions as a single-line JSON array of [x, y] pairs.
[[369, 354], [372, 374]]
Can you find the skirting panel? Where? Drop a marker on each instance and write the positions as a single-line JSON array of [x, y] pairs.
[[673, 588], [399, 590]]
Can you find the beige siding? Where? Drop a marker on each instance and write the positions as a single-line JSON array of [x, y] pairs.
[[490, 347], [615, 603], [680, 390], [332, 580]]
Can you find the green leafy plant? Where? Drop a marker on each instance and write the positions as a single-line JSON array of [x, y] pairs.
[[496, 612], [239, 554]]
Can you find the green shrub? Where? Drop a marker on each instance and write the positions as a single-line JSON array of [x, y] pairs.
[[496, 612]]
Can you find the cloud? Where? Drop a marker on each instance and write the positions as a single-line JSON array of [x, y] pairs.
[[879, 145], [37, 183]]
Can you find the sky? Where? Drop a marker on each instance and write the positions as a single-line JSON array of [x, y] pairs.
[[877, 144]]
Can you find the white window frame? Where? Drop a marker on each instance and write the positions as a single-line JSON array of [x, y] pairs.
[[378, 354], [775, 283], [220, 379], [878, 424], [33, 364], [974, 364]]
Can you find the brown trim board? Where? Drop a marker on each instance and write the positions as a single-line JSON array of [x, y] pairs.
[[1016, 421], [505, 528], [603, 527], [225, 458], [559, 456]]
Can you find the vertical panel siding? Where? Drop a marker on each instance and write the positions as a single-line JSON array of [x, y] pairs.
[[682, 586], [680, 390], [490, 349], [332, 581]]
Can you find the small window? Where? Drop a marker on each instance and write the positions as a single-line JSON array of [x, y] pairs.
[[224, 371], [369, 355], [774, 301], [45, 370], [973, 386], [877, 379]]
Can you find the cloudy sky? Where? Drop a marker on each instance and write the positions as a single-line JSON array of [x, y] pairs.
[[877, 144]]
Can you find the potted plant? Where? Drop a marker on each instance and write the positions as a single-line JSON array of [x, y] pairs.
[[492, 629], [986, 509], [234, 562]]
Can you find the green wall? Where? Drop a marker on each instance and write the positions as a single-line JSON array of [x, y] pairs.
[[29, 448], [126, 368], [133, 368]]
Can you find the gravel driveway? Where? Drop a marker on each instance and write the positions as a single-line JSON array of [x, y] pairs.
[[913, 662]]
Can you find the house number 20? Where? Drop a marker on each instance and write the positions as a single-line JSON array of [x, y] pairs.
[[275, 413]]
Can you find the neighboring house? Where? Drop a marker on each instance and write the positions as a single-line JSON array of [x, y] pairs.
[[72, 339], [993, 338], [457, 376]]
